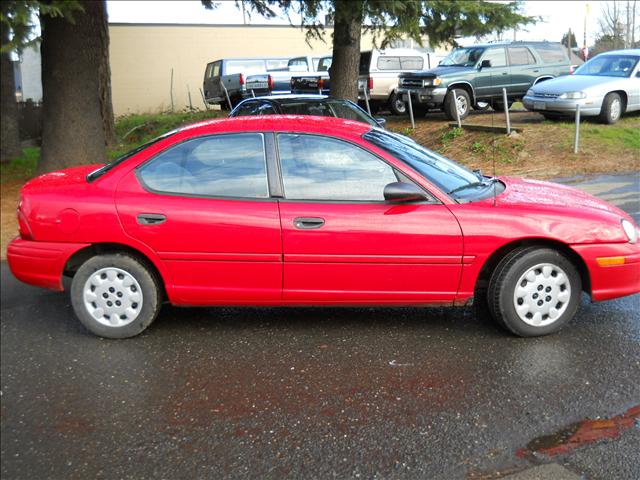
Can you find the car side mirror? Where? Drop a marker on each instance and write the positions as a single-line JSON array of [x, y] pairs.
[[485, 64], [403, 192], [382, 122]]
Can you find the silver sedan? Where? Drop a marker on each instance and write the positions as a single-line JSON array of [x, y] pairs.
[[606, 86]]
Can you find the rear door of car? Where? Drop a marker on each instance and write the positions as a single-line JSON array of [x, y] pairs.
[[524, 69], [211, 85], [204, 206], [343, 244]]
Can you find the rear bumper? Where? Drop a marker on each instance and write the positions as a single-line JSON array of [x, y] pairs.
[[614, 280], [40, 263]]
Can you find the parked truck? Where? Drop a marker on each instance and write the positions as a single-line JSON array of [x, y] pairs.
[[279, 81]]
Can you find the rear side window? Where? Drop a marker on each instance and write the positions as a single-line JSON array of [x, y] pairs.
[[551, 53], [327, 169], [520, 56], [218, 166], [496, 56]]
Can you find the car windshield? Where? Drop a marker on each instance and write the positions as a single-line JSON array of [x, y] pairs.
[[442, 172], [609, 66], [328, 108], [105, 168], [463, 57]]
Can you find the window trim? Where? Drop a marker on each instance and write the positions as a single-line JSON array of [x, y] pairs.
[[433, 200], [147, 188]]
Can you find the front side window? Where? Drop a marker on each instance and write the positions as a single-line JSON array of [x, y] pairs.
[[520, 56], [496, 56], [324, 64], [231, 165], [609, 66], [327, 169]]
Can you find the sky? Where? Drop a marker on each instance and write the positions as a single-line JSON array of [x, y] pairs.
[[557, 16]]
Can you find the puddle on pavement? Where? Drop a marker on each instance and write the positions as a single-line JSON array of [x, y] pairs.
[[582, 433]]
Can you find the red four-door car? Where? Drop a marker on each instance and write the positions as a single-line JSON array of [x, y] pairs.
[[286, 210]]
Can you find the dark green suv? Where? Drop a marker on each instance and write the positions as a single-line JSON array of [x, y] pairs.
[[480, 72]]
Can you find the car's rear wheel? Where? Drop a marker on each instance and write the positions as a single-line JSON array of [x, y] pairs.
[[611, 110], [397, 105], [115, 295], [498, 105], [534, 291], [461, 101], [481, 106]]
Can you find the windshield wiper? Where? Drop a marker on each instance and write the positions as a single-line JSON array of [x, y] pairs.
[[484, 183]]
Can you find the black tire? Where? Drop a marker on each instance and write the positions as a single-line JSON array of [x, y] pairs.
[[122, 264], [463, 101], [612, 108], [498, 105], [541, 291], [397, 105], [419, 111], [481, 106]]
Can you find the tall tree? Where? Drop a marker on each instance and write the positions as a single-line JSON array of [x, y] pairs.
[[443, 21], [74, 95], [10, 139], [569, 43]]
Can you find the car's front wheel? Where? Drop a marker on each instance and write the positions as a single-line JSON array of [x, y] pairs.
[[397, 105], [611, 110], [462, 102], [534, 291], [115, 295]]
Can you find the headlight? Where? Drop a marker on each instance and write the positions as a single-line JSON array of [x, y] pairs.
[[431, 82], [573, 95], [630, 230], [529, 93]]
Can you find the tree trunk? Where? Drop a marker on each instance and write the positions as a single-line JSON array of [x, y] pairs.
[[346, 49], [72, 56], [10, 139], [106, 104]]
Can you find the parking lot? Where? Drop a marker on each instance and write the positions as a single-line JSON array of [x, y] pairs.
[[317, 393]]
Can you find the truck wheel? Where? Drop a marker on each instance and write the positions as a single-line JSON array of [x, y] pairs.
[[611, 110], [481, 106], [534, 291], [462, 102], [115, 295], [397, 105]]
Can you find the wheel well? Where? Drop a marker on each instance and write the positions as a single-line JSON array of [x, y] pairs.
[[467, 88], [492, 262], [623, 97], [77, 259], [542, 79]]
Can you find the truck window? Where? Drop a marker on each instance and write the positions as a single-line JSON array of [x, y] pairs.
[[365, 61], [215, 69], [298, 65], [411, 63], [551, 53], [521, 56], [388, 63], [246, 67], [324, 64], [277, 64]]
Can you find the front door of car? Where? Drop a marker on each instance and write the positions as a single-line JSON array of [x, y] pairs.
[[203, 206], [343, 244], [492, 79]]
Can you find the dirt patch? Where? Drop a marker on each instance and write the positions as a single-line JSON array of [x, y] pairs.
[[8, 223]]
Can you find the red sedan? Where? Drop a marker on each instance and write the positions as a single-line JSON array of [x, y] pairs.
[[285, 210]]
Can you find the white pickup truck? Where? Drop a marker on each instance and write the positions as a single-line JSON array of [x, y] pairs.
[[379, 71], [278, 81]]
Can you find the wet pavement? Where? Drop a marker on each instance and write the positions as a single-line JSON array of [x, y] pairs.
[[318, 393]]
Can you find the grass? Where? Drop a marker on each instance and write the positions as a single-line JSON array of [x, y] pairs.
[[22, 167]]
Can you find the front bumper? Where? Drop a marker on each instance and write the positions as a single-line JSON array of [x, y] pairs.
[[40, 263], [588, 106], [614, 269], [432, 97]]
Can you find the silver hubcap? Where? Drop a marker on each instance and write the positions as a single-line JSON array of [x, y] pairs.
[[542, 295], [461, 103], [615, 109], [482, 104], [113, 297], [400, 106]]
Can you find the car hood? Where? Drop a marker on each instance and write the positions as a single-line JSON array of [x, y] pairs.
[[61, 178], [572, 83], [441, 72]]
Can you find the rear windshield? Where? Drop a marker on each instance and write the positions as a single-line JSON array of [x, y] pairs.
[[400, 63], [327, 108]]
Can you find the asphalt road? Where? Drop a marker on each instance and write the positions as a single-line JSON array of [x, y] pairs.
[[314, 393]]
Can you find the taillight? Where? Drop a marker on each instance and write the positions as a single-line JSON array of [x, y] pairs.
[[270, 82], [241, 79], [370, 83], [23, 225], [320, 83], [571, 69]]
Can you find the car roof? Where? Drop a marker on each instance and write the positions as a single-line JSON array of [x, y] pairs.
[[288, 96], [626, 51], [292, 123], [510, 43]]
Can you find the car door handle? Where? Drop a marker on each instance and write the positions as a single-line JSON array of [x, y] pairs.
[[505, 73], [536, 71], [307, 223], [151, 218]]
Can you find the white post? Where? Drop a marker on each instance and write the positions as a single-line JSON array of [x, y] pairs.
[[505, 103], [366, 100], [253, 94], [413, 123], [455, 107], [227, 95], [206, 105], [576, 141]]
